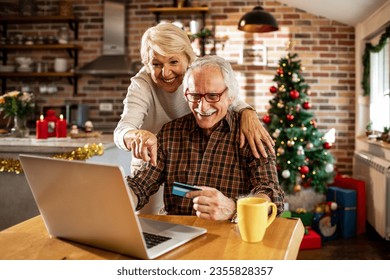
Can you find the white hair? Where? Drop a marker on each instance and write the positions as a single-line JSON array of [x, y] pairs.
[[226, 69]]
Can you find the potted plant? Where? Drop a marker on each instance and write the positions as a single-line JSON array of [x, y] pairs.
[[385, 134], [369, 129]]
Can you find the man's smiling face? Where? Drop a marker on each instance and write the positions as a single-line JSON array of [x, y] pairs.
[[208, 79]]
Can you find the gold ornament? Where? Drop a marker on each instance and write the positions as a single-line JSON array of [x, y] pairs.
[[10, 165], [281, 150], [290, 143], [82, 153], [297, 188]]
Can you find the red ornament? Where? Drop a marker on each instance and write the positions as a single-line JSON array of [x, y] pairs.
[[294, 94], [273, 89], [290, 117], [304, 169], [280, 71], [306, 105], [327, 145], [266, 119]]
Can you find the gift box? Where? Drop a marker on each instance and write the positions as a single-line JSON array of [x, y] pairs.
[[360, 188], [346, 210], [311, 240], [306, 218]]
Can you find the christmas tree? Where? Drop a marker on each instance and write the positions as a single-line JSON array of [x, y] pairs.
[[302, 152]]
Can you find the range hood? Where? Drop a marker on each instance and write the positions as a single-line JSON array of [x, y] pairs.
[[113, 61]]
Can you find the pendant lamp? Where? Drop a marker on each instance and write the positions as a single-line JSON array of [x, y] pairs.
[[258, 21]]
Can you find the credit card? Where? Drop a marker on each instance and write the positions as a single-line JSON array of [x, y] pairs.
[[181, 189]]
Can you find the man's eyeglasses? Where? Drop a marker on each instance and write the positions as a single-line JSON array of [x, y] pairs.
[[194, 97]]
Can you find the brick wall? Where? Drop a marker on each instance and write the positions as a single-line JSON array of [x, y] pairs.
[[325, 47]]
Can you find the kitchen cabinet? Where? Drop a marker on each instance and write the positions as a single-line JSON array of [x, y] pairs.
[[71, 48], [158, 11]]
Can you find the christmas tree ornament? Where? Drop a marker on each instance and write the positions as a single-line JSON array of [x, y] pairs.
[[280, 71], [266, 119], [298, 108], [304, 128], [297, 188], [273, 89], [280, 104], [295, 78], [282, 88], [329, 168], [304, 169], [309, 146], [294, 94], [290, 143], [286, 174], [280, 151], [276, 133], [327, 145], [306, 105], [300, 151], [290, 117]]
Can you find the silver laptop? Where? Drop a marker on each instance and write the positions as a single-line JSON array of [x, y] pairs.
[[90, 203]]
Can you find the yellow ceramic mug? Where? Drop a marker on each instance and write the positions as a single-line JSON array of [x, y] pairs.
[[253, 217]]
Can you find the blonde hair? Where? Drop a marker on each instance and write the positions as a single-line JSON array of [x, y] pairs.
[[165, 38]]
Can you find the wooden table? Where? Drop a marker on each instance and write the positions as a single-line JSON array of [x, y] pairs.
[[30, 241]]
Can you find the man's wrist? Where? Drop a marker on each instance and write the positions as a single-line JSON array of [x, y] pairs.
[[233, 218]]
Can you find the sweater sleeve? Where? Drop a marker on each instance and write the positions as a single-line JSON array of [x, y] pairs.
[[135, 107], [240, 105]]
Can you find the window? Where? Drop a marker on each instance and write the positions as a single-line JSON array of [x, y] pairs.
[[380, 88]]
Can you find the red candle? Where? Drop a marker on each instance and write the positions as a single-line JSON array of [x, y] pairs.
[[61, 127], [41, 128]]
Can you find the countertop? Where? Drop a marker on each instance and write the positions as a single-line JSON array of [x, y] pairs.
[[50, 145]]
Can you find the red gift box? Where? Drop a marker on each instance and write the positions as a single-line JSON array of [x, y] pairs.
[[311, 240], [360, 188]]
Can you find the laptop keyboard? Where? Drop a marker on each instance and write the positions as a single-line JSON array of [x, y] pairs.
[[154, 239]]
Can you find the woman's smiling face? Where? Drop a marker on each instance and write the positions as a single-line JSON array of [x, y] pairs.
[[168, 71]]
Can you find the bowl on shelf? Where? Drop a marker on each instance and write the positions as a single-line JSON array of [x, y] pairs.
[[24, 62]]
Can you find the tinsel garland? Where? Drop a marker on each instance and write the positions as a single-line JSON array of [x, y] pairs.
[[81, 153], [366, 60]]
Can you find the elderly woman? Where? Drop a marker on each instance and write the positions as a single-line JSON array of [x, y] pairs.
[[155, 97]]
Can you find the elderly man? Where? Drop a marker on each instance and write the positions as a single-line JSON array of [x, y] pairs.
[[203, 149]]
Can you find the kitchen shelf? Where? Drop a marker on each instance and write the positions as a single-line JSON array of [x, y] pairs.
[[40, 47], [71, 76], [72, 49], [203, 10], [72, 21], [36, 74]]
